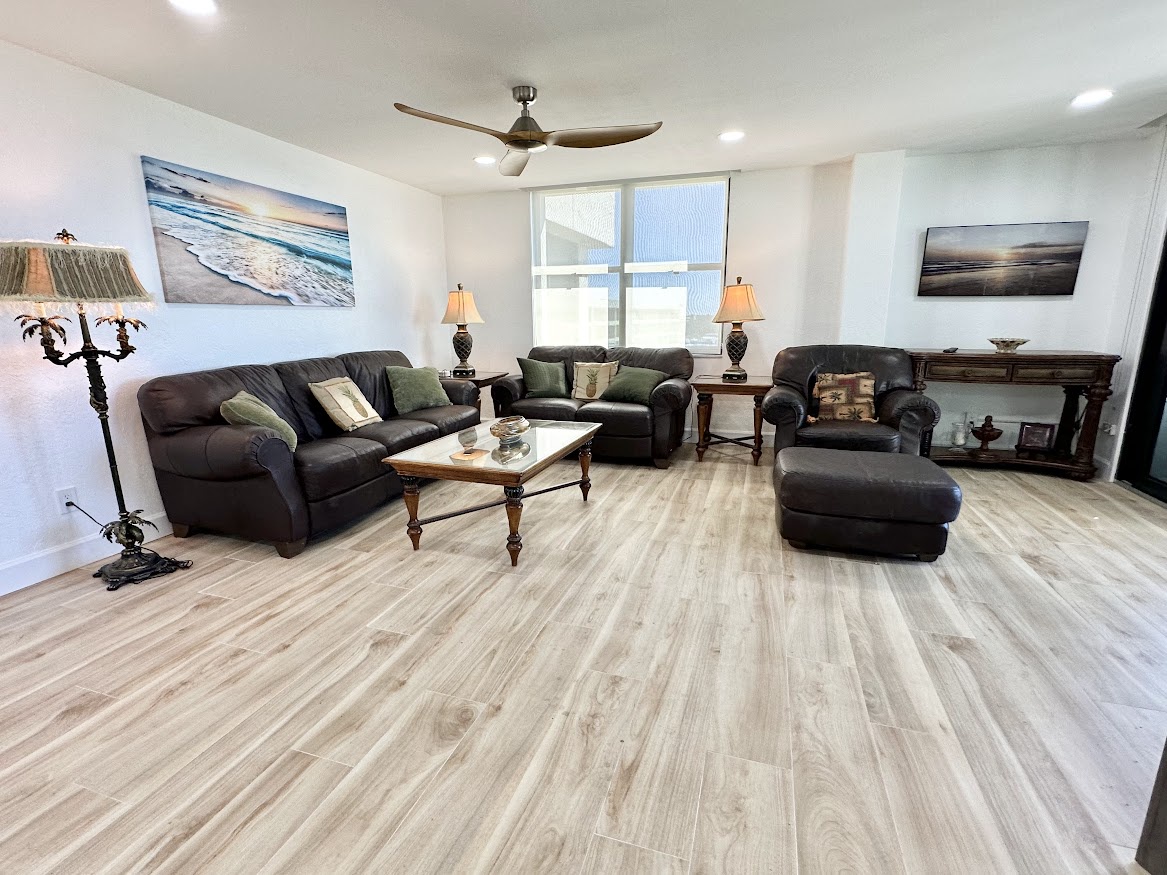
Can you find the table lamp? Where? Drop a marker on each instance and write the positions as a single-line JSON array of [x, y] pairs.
[[67, 273], [460, 311], [738, 305]]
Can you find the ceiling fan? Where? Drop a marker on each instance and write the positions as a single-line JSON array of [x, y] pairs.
[[525, 135]]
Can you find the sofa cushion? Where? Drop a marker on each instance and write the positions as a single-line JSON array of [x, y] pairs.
[[397, 434], [296, 376], [368, 371], [333, 465], [544, 379], [864, 485], [675, 361], [560, 409], [245, 409], [842, 434], [416, 389], [618, 418], [448, 419], [568, 356], [170, 404]]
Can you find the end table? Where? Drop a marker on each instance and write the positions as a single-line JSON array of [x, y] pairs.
[[708, 385]]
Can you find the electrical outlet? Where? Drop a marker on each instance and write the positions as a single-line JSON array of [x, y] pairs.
[[1109, 428], [66, 495]]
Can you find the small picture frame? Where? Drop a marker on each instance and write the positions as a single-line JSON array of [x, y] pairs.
[[1036, 437]]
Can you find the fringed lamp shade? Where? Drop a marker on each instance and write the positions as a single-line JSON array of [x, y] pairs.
[[46, 273]]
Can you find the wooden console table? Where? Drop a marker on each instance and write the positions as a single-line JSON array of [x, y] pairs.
[[1078, 373]]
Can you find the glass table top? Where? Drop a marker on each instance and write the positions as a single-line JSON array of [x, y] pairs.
[[546, 441]]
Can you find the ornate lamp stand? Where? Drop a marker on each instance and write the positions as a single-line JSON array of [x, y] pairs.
[[136, 563]]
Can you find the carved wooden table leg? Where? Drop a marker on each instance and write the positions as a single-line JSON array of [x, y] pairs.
[[1096, 396], [585, 464], [756, 452], [704, 414], [1064, 437], [411, 502], [514, 496]]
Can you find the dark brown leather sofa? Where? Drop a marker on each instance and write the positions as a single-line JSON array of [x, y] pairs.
[[630, 431], [244, 480], [906, 417]]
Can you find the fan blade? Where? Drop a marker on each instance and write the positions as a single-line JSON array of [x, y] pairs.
[[441, 119], [590, 138], [513, 162]]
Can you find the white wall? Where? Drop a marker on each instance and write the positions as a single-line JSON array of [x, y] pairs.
[[1108, 184], [69, 157]]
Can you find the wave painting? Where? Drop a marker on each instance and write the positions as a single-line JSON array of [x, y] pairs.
[[222, 241]]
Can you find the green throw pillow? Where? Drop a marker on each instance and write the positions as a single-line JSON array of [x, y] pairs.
[[246, 409], [544, 379], [634, 385], [416, 389]]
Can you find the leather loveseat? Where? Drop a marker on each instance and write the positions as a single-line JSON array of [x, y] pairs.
[[905, 417], [629, 431], [244, 480]]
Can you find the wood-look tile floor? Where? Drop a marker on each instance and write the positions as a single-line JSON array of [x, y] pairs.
[[661, 686]]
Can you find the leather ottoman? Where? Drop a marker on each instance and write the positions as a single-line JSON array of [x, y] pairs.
[[891, 503]]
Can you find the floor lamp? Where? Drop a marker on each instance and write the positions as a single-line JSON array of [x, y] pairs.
[[69, 273]]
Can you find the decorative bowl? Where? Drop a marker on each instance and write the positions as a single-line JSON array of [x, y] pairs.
[[510, 452], [510, 430], [1008, 344]]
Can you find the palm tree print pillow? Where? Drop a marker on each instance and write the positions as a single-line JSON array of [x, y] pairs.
[[344, 403], [590, 379], [845, 397]]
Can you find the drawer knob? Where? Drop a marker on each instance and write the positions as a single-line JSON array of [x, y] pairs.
[[968, 372], [1057, 374]]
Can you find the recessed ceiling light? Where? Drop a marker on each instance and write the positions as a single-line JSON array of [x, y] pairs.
[[196, 7], [1092, 98], [731, 136], [484, 160]]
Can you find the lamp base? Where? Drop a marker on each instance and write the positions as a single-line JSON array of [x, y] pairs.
[[461, 371], [135, 565], [735, 374]]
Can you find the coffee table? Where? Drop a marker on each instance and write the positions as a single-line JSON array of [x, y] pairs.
[[546, 443]]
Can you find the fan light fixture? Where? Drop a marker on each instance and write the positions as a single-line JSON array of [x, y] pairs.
[[484, 160], [196, 7], [1092, 98], [731, 136]]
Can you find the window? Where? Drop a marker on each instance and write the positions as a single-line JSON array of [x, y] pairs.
[[638, 264]]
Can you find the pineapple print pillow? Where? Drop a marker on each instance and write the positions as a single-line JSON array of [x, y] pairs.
[[344, 403], [845, 396], [592, 378]]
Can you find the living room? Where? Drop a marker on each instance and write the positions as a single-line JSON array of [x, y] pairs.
[[713, 677]]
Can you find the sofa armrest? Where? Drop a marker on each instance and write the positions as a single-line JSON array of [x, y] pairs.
[[914, 414], [898, 403], [673, 394], [461, 392], [506, 392], [783, 405], [221, 452]]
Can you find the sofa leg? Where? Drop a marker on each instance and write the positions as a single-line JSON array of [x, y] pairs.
[[798, 545], [927, 557], [181, 531], [290, 549], [663, 464]]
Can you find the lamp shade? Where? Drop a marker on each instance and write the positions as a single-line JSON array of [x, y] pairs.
[[460, 308], [738, 304], [46, 273]]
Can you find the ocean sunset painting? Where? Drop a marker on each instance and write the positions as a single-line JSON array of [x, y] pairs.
[[222, 241], [1003, 260]]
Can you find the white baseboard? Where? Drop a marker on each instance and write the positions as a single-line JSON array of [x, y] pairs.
[[27, 570]]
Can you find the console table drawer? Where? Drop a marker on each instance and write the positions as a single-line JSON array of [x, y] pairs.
[[1046, 374], [968, 373]]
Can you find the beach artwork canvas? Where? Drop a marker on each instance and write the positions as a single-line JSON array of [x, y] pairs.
[[1003, 260], [222, 241]]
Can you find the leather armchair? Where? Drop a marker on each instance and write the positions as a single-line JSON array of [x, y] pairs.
[[905, 417]]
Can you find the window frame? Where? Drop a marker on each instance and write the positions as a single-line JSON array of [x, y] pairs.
[[627, 245]]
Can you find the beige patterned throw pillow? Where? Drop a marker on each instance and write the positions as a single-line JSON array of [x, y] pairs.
[[592, 378], [345, 404], [845, 397]]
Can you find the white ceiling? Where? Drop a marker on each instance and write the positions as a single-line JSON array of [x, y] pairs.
[[809, 82]]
